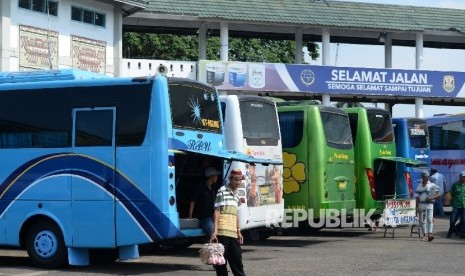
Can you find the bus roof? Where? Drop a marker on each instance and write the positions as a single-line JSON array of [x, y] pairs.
[[445, 118], [48, 75], [408, 119], [298, 103], [357, 108], [40, 79]]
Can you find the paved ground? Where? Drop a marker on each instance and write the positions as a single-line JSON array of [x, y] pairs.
[[330, 252]]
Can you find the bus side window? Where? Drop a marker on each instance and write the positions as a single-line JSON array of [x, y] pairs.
[[353, 118], [94, 128]]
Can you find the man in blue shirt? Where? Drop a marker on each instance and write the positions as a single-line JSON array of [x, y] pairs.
[[438, 179]]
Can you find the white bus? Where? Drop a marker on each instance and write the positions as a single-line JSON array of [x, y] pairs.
[[251, 126]]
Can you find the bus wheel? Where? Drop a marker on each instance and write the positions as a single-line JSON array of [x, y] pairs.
[[252, 235], [265, 234], [103, 256], [255, 235], [45, 245], [305, 227]]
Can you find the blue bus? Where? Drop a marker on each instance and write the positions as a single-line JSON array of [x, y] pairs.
[[412, 142], [447, 139], [92, 165]]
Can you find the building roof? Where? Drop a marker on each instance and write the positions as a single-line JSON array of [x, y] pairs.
[[132, 6], [346, 20], [317, 13], [134, 2]]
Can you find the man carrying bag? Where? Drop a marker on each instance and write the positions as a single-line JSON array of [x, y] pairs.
[[226, 225]]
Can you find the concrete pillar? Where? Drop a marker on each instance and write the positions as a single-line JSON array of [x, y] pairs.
[[418, 66], [325, 37], [5, 28], [298, 46], [224, 46], [419, 107], [419, 51], [118, 41], [202, 41], [325, 46], [388, 52], [388, 107]]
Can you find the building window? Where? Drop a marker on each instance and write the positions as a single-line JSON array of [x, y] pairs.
[[43, 6], [87, 16]]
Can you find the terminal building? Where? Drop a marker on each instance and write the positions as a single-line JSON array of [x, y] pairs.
[[87, 34]]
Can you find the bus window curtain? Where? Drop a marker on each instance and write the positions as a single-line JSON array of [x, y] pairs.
[[291, 125]]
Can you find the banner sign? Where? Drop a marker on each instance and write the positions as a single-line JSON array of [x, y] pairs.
[[276, 77], [400, 212]]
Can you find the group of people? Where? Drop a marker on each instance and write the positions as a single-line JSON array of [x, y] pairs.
[[430, 195], [216, 208]]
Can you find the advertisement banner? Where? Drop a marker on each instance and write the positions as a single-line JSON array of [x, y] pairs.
[[275, 77]]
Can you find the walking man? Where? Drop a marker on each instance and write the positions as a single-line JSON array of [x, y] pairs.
[[457, 193]]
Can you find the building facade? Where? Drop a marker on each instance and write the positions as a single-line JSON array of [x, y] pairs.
[[56, 34]]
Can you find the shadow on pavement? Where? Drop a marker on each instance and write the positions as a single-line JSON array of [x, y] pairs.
[[14, 261], [135, 268]]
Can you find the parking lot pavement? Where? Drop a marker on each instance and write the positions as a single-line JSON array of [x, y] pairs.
[[355, 251]]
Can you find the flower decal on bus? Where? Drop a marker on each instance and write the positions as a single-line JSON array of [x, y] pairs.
[[293, 173]]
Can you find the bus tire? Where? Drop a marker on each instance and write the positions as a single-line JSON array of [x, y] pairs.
[[265, 234], [45, 245], [305, 227], [256, 235], [252, 235], [103, 256]]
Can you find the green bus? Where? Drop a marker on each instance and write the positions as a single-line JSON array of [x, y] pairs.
[[318, 157], [375, 157]]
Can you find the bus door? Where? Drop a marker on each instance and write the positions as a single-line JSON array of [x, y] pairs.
[[385, 172], [93, 201]]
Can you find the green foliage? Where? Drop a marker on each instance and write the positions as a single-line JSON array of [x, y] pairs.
[[185, 47]]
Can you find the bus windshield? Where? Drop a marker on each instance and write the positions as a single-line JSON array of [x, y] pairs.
[[337, 130], [417, 132], [254, 114], [380, 125], [194, 106]]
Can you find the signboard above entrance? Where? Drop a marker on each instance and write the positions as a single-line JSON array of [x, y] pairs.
[[301, 78]]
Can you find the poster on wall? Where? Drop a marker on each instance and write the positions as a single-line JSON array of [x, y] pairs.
[[88, 54], [38, 48]]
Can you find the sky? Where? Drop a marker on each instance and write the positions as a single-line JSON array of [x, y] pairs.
[[402, 57]]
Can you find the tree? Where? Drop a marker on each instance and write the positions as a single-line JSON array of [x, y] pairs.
[[185, 47]]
